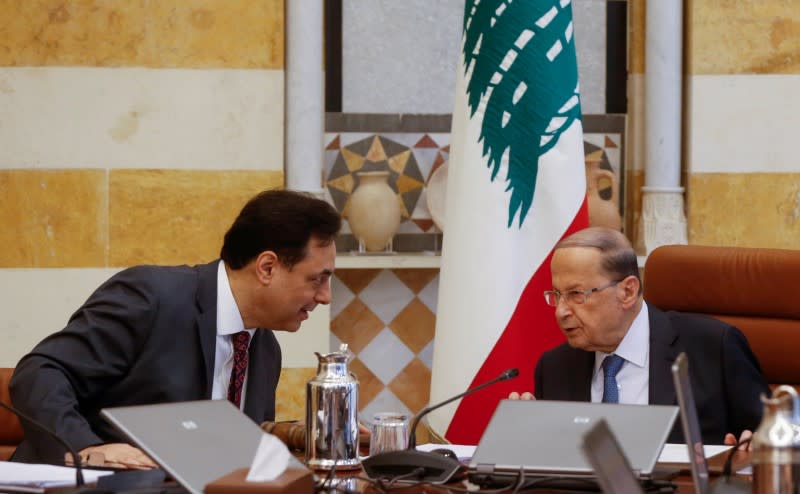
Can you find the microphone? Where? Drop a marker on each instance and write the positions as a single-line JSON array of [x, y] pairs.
[[76, 459], [412, 465], [412, 435]]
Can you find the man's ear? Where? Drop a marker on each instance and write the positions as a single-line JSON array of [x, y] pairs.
[[266, 264], [630, 286]]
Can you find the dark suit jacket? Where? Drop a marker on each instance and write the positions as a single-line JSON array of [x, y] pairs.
[[725, 375], [147, 335]]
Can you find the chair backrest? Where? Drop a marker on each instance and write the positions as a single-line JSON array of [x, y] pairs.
[[753, 289], [10, 429]]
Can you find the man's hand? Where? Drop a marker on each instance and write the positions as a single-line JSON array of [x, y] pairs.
[[524, 396], [117, 455], [730, 440]]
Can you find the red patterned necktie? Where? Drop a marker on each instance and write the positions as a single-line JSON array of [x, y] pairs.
[[240, 342]]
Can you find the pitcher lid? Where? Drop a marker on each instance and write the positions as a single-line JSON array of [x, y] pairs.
[[343, 355]]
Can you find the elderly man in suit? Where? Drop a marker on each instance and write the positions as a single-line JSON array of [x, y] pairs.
[[619, 349], [156, 334]]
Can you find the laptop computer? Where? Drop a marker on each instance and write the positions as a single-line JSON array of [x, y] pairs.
[[611, 467], [196, 442], [543, 438], [694, 438]]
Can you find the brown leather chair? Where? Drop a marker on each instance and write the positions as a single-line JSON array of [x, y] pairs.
[[10, 428], [753, 289]]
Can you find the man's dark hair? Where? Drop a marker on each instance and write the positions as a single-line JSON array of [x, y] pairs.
[[282, 221], [619, 258]]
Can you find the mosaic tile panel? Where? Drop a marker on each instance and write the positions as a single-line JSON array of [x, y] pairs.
[[413, 147], [410, 159]]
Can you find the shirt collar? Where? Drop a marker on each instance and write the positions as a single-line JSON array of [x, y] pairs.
[[635, 345], [229, 320]]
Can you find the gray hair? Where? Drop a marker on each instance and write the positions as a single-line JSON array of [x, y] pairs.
[[619, 258]]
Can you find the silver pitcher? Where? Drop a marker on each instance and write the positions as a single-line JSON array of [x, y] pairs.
[[332, 413], [776, 444]]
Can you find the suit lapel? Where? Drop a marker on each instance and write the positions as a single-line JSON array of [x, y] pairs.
[[580, 375], [662, 354], [207, 320]]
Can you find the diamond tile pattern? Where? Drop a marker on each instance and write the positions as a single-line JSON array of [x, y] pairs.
[[429, 295], [343, 297], [386, 295], [426, 355], [414, 325], [388, 319], [385, 401], [356, 325], [413, 385], [386, 356], [368, 383]]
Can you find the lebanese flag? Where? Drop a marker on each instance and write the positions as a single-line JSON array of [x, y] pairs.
[[516, 186]]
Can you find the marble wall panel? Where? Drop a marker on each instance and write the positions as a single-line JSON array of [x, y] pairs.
[[53, 218], [176, 216], [636, 36], [290, 399], [163, 33], [401, 56], [744, 209], [744, 37]]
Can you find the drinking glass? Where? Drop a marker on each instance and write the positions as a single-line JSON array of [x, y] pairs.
[[389, 432]]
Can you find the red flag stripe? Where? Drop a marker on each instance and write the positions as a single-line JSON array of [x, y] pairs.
[[531, 331]]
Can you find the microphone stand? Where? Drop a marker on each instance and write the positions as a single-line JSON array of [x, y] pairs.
[[407, 464], [412, 434], [76, 459]]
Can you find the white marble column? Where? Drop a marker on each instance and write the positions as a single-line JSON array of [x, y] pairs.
[[304, 127], [663, 219], [305, 96]]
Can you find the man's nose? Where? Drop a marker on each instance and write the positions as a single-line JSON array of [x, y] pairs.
[[323, 295], [563, 309]]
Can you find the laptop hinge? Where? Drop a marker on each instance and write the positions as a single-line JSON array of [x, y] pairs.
[[484, 468]]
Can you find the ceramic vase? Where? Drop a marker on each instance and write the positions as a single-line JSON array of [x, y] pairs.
[[374, 212], [602, 212]]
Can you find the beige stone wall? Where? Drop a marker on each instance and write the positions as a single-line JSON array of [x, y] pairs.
[[131, 131], [143, 33], [743, 184], [140, 182]]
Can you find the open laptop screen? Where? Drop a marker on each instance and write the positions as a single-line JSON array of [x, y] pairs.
[[610, 465], [690, 423], [196, 442], [544, 437]]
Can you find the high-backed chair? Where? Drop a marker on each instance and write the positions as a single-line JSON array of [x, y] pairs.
[[10, 429], [756, 290]]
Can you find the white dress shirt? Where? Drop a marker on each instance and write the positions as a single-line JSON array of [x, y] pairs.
[[633, 379], [229, 322]]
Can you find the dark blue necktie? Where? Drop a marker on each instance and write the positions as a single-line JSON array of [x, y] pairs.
[[611, 365]]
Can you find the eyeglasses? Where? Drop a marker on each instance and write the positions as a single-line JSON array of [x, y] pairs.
[[551, 297]]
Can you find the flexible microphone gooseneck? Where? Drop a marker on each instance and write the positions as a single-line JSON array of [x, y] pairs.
[[75, 456], [413, 465], [412, 434]]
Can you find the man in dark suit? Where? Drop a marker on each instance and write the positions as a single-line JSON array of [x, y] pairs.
[[156, 334], [620, 349]]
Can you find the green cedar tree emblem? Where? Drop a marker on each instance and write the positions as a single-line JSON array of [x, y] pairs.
[[522, 75]]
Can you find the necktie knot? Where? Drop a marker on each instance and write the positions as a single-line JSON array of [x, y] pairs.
[[611, 366], [241, 341]]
